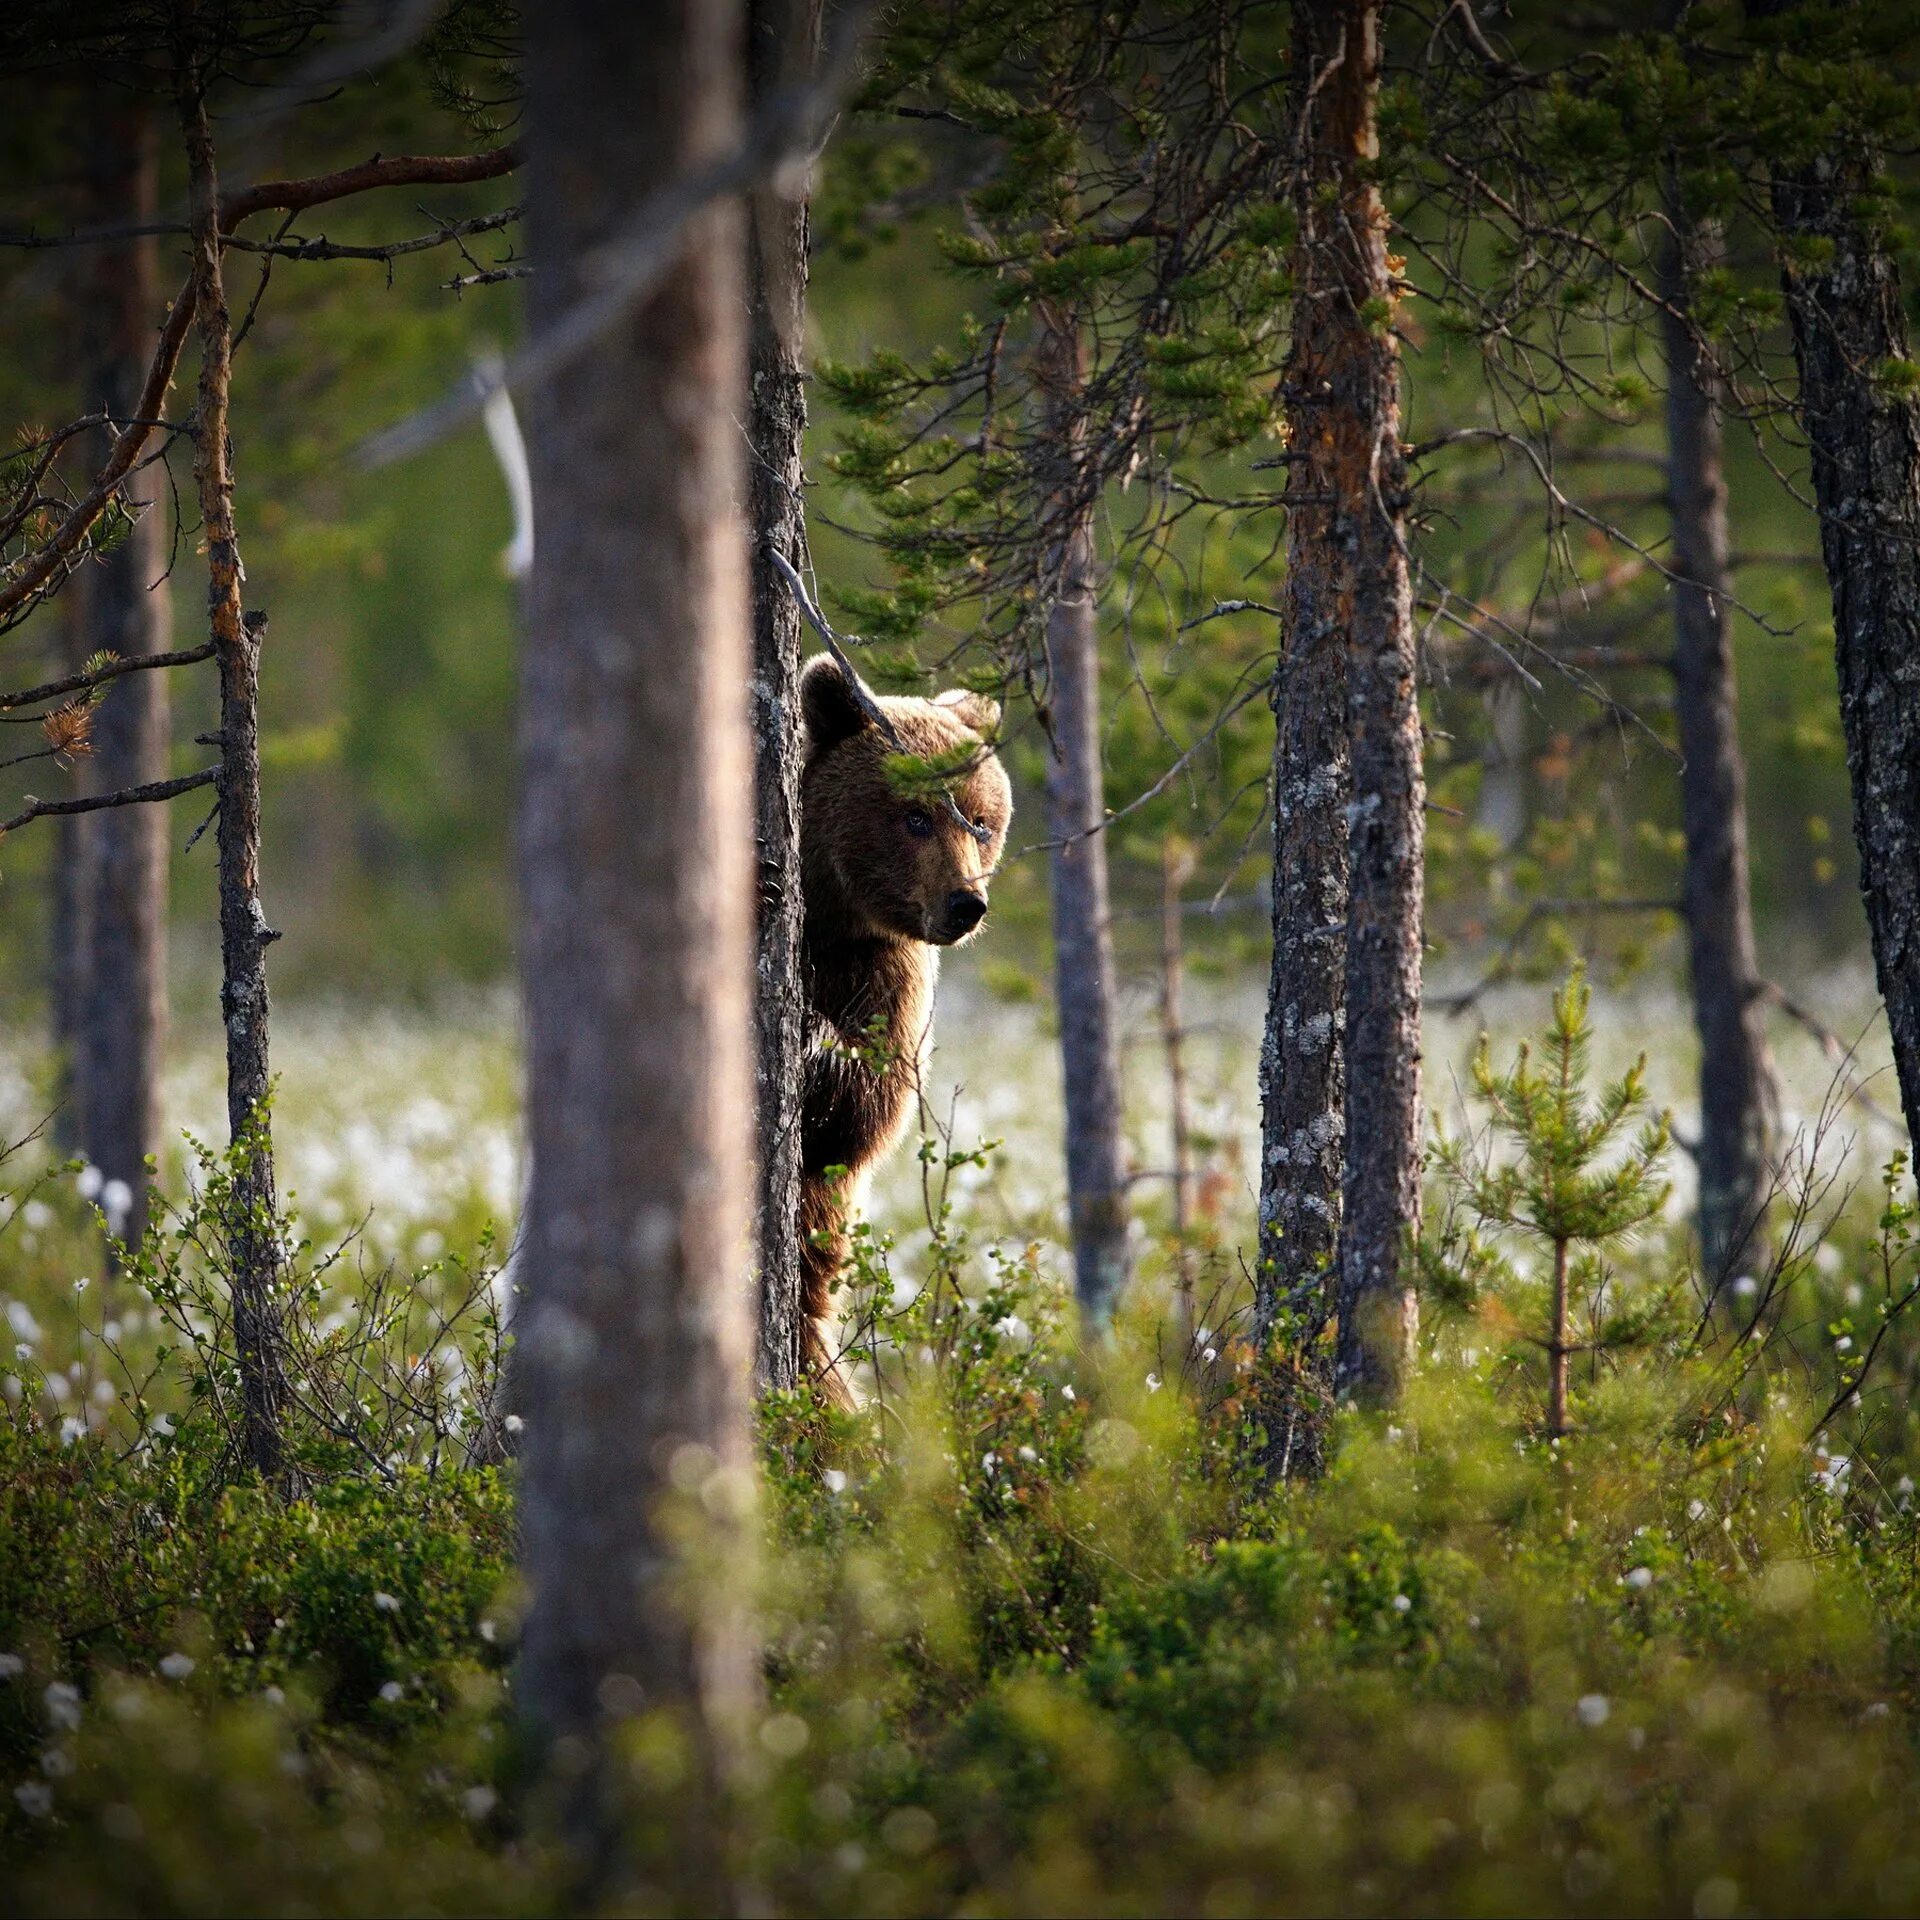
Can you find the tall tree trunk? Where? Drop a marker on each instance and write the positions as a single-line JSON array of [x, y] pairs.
[[70, 934], [1084, 986], [1863, 433], [782, 41], [1736, 1071], [1386, 833], [635, 824], [1176, 869], [253, 1244], [119, 1044]]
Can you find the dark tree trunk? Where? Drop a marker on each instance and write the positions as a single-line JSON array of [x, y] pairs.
[[1076, 825], [71, 930], [253, 1245], [119, 1042], [783, 37], [635, 873], [1736, 1071], [1863, 434]]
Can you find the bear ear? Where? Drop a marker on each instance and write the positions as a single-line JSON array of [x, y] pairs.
[[827, 702], [976, 710]]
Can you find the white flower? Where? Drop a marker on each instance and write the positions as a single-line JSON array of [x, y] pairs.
[[176, 1666], [56, 1762], [1830, 1471], [116, 1202], [81, 1283], [11, 1666], [477, 1802], [1401, 1604], [1696, 1509], [163, 1426], [1209, 1354], [1640, 1579], [20, 1319], [1067, 1393], [513, 1423], [1153, 1383], [1395, 1435], [1904, 1485], [836, 1481], [1843, 1343], [386, 1603], [1745, 1287], [273, 1696], [62, 1702], [987, 1464], [1028, 1455], [392, 1691], [89, 1180], [1593, 1709], [35, 1799], [487, 1631]]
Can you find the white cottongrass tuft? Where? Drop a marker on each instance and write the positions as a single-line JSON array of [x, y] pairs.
[[1593, 1709], [177, 1666]]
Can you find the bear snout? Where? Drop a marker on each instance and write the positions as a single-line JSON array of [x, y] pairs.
[[965, 910]]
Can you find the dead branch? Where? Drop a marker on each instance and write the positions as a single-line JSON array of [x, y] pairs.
[[85, 682], [125, 797]]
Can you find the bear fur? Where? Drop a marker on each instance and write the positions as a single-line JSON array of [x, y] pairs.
[[887, 879]]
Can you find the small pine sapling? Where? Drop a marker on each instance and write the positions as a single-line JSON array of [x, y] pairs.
[[1563, 1183]]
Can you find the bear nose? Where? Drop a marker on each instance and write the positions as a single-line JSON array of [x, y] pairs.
[[965, 910]]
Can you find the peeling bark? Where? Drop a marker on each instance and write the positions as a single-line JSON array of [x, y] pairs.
[[252, 1241], [1084, 984], [635, 824], [782, 35], [1340, 1067], [1737, 1096], [1863, 433]]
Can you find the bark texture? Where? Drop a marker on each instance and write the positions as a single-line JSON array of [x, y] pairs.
[[1737, 1098], [782, 40], [253, 1249], [636, 883], [70, 931], [1084, 985], [120, 1031], [1386, 819], [1863, 434], [1176, 869]]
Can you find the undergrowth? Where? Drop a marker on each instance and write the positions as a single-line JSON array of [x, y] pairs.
[[1618, 1611]]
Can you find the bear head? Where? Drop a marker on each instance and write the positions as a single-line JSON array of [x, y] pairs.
[[882, 859]]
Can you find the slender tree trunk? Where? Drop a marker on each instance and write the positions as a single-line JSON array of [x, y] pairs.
[[1084, 985], [71, 931], [1176, 869], [1386, 834], [635, 825], [1302, 1054], [1863, 433], [119, 1044], [1558, 1349], [782, 40], [253, 1246], [1736, 1071]]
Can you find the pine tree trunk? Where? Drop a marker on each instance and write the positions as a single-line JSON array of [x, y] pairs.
[[119, 1042], [253, 1248], [1736, 1070], [1863, 434], [1558, 1349], [636, 884], [1177, 861], [783, 38], [1084, 985], [1302, 1054], [70, 932]]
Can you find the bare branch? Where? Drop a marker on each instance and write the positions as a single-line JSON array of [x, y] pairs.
[[83, 682], [125, 797]]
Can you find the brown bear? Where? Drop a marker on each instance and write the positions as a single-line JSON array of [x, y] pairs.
[[887, 878]]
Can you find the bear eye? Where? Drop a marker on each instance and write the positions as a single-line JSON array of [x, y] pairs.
[[919, 822]]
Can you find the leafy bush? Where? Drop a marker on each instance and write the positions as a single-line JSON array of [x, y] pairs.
[[1038, 1638]]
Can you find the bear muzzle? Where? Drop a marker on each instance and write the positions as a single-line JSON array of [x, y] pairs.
[[965, 910]]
